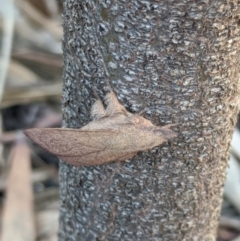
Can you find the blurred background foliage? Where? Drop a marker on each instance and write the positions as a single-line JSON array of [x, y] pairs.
[[30, 95]]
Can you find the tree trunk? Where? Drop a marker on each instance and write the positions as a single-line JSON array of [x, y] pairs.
[[178, 61]]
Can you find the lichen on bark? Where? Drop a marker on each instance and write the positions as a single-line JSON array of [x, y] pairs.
[[177, 61]]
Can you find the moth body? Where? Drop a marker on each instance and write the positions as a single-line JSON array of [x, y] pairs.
[[114, 134]]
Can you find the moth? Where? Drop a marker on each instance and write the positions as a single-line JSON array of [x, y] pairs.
[[114, 135]]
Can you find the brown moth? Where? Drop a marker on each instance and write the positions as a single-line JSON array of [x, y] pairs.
[[114, 135]]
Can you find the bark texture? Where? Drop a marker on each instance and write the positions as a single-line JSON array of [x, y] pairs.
[[178, 61]]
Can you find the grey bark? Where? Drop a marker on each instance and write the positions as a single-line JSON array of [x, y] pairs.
[[178, 61]]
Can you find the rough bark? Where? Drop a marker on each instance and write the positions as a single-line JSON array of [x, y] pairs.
[[178, 61]]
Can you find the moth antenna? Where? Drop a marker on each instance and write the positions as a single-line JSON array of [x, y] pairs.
[[98, 111], [113, 105]]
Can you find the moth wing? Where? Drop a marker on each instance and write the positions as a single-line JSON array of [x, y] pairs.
[[98, 159], [79, 147]]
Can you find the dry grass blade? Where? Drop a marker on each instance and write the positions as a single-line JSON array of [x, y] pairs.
[[37, 176], [21, 95], [49, 25], [232, 183], [34, 38], [19, 75], [12, 136], [39, 58], [18, 220], [228, 222], [52, 7], [236, 143], [47, 225], [7, 12]]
